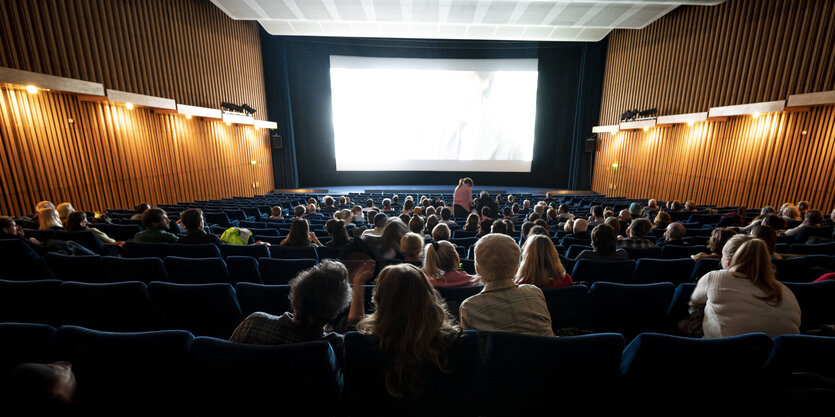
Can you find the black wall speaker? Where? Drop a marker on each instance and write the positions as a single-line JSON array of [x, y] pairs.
[[275, 139], [591, 144]]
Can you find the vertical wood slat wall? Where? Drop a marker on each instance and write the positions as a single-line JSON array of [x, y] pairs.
[[186, 50], [700, 57]]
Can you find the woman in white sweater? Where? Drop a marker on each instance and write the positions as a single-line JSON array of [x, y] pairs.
[[745, 297]]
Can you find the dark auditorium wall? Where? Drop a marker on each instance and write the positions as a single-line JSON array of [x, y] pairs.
[[297, 78], [108, 156], [734, 53]]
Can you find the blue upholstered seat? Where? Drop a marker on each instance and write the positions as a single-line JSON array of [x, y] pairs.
[[627, 309], [591, 271], [134, 269], [32, 302], [281, 271], [196, 270], [243, 269], [255, 251], [649, 270], [86, 268], [271, 299], [203, 309], [116, 307], [25, 342], [566, 305]]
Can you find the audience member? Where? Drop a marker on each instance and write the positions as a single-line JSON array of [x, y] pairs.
[[718, 238], [411, 246], [745, 297], [767, 210], [581, 227], [596, 216], [49, 220], [690, 206], [499, 226], [526, 207], [379, 223], [636, 235], [483, 201], [338, 233], [298, 212], [776, 222], [155, 221], [446, 218], [441, 265], [674, 235], [300, 235], [509, 228], [311, 213], [329, 206], [440, 232], [791, 213], [36, 389], [541, 264], [485, 227], [802, 208], [662, 220], [276, 213], [140, 210], [604, 243], [611, 221], [358, 214], [417, 225], [635, 210], [194, 223], [768, 235], [813, 219], [388, 246], [431, 222], [77, 222], [64, 211], [463, 197], [504, 306]]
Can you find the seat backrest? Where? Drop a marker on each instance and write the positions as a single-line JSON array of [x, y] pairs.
[[679, 307], [454, 296], [134, 269], [84, 268], [196, 270], [655, 367], [203, 250], [566, 305], [703, 266], [220, 219], [291, 252], [147, 250], [677, 271], [255, 251], [452, 393], [84, 238], [627, 309], [522, 373], [21, 263], [115, 307], [281, 271], [678, 252], [32, 302], [815, 301], [25, 342], [327, 252], [591, 271], [300, 379], [638, 253], [147, 371], [271, 299], [789, 270], [243, 269], [118, 231], [575, 249], [203, 309], [802, 353]]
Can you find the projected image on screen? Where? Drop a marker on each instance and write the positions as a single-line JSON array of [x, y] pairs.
[[393, 114]]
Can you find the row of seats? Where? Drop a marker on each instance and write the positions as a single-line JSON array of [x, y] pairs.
[[216, 309], [173, 372]]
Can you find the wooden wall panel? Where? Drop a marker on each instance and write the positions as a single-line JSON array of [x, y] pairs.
[[111, 157], [186, 50], [700, 57]]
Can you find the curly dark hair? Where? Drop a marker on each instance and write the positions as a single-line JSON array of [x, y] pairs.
[[319, 294]]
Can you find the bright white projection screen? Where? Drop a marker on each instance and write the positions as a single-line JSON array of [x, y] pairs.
[[414, 114]]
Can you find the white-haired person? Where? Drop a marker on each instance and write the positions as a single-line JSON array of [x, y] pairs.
[[745, 297], [503, 305]]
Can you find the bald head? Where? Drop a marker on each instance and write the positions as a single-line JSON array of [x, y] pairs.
[[496, 257], [581, 225], [675, 231]]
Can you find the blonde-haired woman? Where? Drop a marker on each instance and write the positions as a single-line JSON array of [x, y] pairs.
[[440, 264], [541, 264], [64, 211], [49, 220], [745, 297], [413, 326]]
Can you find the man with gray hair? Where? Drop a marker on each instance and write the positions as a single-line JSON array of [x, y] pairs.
[[673, 235], [504, 306]]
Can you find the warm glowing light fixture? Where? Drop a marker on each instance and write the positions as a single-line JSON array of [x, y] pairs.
[[615, 165], [254, 163], [129, 106], [755, 115], [646, 128], [188, 117], [32, 89], [228, 123], [691, 123]]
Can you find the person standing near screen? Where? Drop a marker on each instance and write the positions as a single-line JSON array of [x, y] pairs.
[[462, 200]]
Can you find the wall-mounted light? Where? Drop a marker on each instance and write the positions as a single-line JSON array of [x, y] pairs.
[[615, 165], [32, 89], [129, 106], [188, 117], [228, 123], [646, 128], [691, 123], [755, 115]]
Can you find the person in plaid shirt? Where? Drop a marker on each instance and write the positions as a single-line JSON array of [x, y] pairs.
[[637, 235]]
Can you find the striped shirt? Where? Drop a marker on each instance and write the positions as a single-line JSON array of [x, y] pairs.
[[503, 306]]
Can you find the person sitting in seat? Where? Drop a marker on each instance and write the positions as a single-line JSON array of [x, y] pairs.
[[319, 298], [411, 246], [192, 219], [674, 235], [778, 223], [718, 238], [662, 220], [49, 220], [485, 227], [472, 223], [814, 218], [140, 210], [64, 211], [503, 305], [276, 213], [580, 229], [300, 235], [77, 222], [311, 213], [299, 211], [387, 205], [38, 389], [155, 221], [388, 245], [329, 206], [417, 225], [541, 264], [595, 216], [604, 243], [636, 235], [440, 232], [358, 214], [338, 233], [369, 205], [379, 223], [802, 208], [446, 218], [768, 235]]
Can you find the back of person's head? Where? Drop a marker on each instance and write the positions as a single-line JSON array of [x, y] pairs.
[[485, 211], [515, 208], [652, 203], [537, 230], [406, 218], [446, 213], [319, 294], [604, 239], [597, 211], [411, 244], [37, 389], [541, 222], [509, 227], [392, 233], [507, 212], [635, 209], [387, 203], [76, 221], [540, 261], [814, 217], [803, 205], [662, 220], [551, 214], [675, 205], [718, 238], [413, 326], [328, 200], [569, 226], [357, 210], [753, 260], [276, 211], [299, 234], [775, 221], [191, 219], [298, 211], [580, 225], [465, 180], [408, 205], [767, 210], [431, 221], [49, 218], [689, 205], [472, 223], [44, 205], [539, 210], [64, 210], [380, 220], [395, 198], [484, 195], [7, 225], [533, 217], [430, 211], [440, 232], [498, 227], [611, 221], [311, 208], [369, 202], [791, 212], [625, 215], [154, 218], [484, 227], [768, 235], [344, 215], [526, 228], [496, 257], [675, 231], [439, 258], [639, 228], [337, 231], [141, 207], [731, 246], [416, 225], [343, 200]]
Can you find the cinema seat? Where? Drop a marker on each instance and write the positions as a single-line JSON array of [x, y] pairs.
[[255, 251], [243, 269], [454, 296], [83, 238], [451, 393], [802, 353], [196, 270], [203, 250], [116, 307], [83, 268], [590, 271], [147, 250], [281, 271], [137, 373], [679, 307], [32, 302], [203, 309], [649, 270], [703, 266], [134, 269], [817, 302], [627, 309], [289, 252], [566, 305], [271, 299], [21, 263], [25, 342], [241, 379], [678, 252]]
